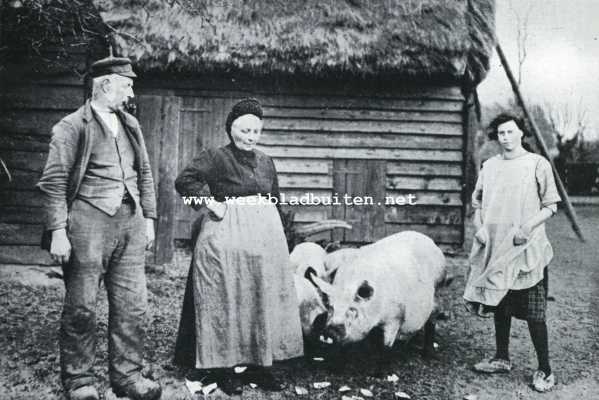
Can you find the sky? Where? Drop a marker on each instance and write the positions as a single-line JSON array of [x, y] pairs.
[[562, 65]]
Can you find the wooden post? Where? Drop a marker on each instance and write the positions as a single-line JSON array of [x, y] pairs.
[[535, 130], [167, 172]]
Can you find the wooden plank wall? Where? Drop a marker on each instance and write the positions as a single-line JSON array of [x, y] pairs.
[[27, 113], [418, 134]]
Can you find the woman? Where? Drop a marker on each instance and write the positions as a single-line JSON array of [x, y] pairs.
[[240, 306], [515, 194]]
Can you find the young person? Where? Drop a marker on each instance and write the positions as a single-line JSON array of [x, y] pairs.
[[515, 194]]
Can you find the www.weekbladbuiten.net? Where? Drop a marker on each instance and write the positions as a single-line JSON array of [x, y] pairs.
[[307, 199]]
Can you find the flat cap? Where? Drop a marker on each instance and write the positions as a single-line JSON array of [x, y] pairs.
[[112, 65]]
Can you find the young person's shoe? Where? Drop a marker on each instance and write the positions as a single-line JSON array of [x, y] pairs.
[[141, 389], [478, 309], [541, 382], [87, 392], [493, 366]]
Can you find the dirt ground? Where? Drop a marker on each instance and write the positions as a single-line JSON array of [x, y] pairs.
[[30, 312]]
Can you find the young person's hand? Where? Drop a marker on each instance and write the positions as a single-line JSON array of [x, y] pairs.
[[521, 236]]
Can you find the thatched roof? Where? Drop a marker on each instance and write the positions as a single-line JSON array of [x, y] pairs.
[[49, 36], [446, 39], [421, 38]]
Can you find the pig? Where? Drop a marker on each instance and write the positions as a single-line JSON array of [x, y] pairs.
[[389, 285], [307, 255], [312, 310], [336, 259]]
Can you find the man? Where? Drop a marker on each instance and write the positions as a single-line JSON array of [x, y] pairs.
[[100, 208]]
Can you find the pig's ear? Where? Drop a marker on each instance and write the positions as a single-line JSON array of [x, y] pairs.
[[365, 291], [321, 284], [330, 275]]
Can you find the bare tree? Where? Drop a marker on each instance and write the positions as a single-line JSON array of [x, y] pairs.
[[521, 17], [569, 122]]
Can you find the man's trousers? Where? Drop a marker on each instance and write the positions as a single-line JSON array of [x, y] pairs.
[[110, 249]]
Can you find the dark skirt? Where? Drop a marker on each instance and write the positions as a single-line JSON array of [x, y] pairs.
[[527, 304], [186, 339]]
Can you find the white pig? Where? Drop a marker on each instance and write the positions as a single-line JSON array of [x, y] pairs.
[[389, 285], [304, 256], [311, 307], [307, 255], [333, 261]]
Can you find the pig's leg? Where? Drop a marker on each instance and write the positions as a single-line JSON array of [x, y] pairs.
[[390, 331], [428, 349], [384, 348]]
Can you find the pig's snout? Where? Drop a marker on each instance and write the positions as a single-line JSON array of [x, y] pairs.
[[336, 332]]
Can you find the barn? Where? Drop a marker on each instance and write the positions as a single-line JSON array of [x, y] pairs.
[[371, 100]]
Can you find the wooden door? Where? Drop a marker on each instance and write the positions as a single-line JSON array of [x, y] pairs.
[[176, 129], [159, 119], [365, 180], [202, 126]]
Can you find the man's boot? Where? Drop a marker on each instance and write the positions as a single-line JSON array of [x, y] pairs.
[[83, 393], [141, 389]]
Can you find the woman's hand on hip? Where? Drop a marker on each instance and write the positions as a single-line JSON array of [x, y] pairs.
[[218, 209]]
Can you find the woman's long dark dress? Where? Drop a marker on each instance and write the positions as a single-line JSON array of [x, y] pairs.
[[240, 303]]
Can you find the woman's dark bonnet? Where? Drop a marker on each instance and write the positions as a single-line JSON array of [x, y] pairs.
[[245, 106], [502, 119]]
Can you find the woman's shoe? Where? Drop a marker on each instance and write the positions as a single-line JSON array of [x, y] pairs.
[[230, 383], [205, 376], [267, 381]]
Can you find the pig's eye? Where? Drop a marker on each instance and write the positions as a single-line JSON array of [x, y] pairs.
[[365, 291]]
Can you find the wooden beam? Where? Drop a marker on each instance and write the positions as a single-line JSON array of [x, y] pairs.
[[535, 130], [423, 183], [426, 168], [303, 166], [361, 139], [361, 153], [361, 114], [24, 160], [332, 126]]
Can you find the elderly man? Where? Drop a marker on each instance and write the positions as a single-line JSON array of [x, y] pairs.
[[100, 205]]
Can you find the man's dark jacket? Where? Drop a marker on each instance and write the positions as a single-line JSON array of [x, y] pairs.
[[70, 150]]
